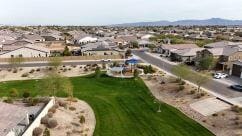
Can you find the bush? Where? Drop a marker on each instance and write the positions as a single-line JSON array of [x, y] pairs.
[[46, 132], [56, 106], [181, 87], [31, 71], [236, 109], [72, 108], [8, 100], [38, 69], [13, 93], [44, 120], [15, 71], [33, 101], [37, 131], [25, 75], [82, 119], [26, 94], [215, 114], [50, 114], [192, 92], [52, 123], [182, 83], [62, 103], [53, 110]]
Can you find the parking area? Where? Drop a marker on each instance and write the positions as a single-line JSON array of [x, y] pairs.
[[209, 106]]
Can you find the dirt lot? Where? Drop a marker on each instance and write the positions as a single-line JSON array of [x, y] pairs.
[[69, 119], [39, 72], [222, 123]]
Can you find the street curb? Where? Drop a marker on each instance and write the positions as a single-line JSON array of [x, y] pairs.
[[219, 96]]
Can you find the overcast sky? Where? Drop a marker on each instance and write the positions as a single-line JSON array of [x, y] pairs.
[[99, 12]]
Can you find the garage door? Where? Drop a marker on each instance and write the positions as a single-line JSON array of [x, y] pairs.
[[236, 70]]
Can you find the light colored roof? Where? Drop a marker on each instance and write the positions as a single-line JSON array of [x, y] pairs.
[[144, 42], [178, 46], [188, 52], [222, 44], [226, 51], [11, 115]]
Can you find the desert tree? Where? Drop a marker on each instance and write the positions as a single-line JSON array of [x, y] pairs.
[[206, 63], [181, 71], [199, 79], [55, 62]]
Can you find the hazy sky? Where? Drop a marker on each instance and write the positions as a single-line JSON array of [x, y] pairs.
[[99, 12]]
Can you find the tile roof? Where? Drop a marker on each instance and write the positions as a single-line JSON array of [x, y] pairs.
[[11, 115]]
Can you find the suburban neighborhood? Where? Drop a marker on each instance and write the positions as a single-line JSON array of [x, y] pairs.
[[79, 69]]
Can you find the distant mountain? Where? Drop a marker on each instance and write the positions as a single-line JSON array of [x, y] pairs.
[[207, 22]]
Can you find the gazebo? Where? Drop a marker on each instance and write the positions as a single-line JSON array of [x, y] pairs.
[[132, 62], [116, 70]]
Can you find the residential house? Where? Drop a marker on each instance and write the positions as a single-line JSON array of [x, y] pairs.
[[225, 56], [185, 55], [236, 69], [14, 120], [98, 48], [166, 49], [25, 51], [34, 38]]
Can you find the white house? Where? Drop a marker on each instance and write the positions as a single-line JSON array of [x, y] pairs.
[[26, 52], [87, 39]]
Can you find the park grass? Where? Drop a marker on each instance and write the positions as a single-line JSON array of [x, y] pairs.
[[123, 107]]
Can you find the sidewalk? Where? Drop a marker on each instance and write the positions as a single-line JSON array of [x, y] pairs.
[[233, 101]]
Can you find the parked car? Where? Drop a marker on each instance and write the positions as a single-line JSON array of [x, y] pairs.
[[236, 87], [220, 75], [106, 60]]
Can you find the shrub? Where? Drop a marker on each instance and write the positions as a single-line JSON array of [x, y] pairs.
[[13, 93], [20, 69], [192, 92], [215, 114], [181, 87], [26, 94], [33, 101], [38, 69], [53, 110], [15, 71], [182, 83], [46, 132], [56, 106], [50, 114], [236, 109], [72, 108], [44, 120], [25, 75], [82, 119], [31, 71], [8, 100], [52, 123], [62, 103], [37, 131]]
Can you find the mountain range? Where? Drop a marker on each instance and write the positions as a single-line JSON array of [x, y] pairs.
[[206, 22]]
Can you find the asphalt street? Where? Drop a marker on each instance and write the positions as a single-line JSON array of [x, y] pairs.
[[212, 85]]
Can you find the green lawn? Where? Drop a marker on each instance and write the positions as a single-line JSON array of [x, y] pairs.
[[123, 107]]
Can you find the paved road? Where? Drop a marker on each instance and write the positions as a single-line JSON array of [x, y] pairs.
[[39, 64], [212, 85]]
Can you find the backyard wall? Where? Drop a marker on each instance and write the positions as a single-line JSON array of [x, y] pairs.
[[37, 120], [99, 57]]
